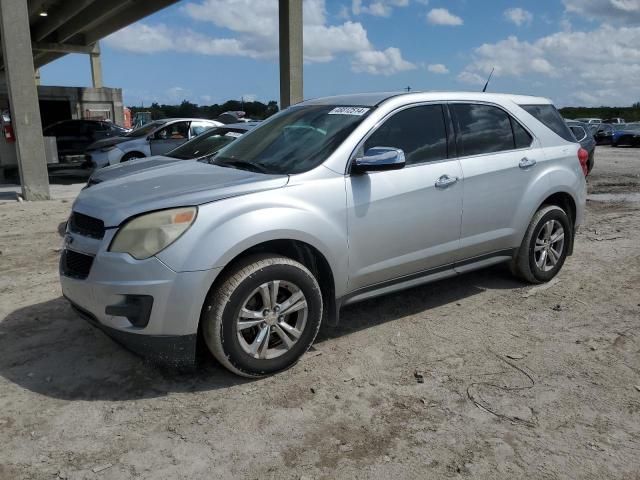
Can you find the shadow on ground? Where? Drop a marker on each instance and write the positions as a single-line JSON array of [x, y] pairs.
[[47, 349]]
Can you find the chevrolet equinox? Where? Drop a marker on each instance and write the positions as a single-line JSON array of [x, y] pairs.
[[327, 203]]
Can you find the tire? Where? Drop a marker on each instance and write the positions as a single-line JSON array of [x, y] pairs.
[[131, 156], [241, 291], [526, 263]]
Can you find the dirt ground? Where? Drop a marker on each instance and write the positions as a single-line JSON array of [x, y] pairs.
[[474, 377]]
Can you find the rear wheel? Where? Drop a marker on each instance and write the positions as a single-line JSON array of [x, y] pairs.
[[545, 245], [263, 316]]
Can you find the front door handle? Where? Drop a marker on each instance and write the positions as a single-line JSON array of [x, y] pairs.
[[446, 181], [527, 162]]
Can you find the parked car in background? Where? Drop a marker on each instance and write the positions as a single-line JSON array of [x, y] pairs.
[[155, 138], [320, 206], [204, 145], [74, 136], [604, 134], [614, 120], [626, 135], [589, 120], [584, 136]]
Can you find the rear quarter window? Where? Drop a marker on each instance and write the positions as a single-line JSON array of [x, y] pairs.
[[551, 118]]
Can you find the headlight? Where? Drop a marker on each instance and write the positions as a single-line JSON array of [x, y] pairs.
[[107, 149], [146, 235]]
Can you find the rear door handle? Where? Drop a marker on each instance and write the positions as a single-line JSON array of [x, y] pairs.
[[446, 181], [527, 163]]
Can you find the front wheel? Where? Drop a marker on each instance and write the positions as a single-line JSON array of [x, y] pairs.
[[263, 316], [131, 156], [545, 245]]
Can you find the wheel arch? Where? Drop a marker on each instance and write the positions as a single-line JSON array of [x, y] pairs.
[[566, 202], [297, 250], [132, 152]]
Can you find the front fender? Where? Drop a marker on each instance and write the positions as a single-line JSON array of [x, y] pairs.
[[310, 213]]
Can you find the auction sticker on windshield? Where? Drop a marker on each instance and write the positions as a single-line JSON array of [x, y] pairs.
[[357, 111]]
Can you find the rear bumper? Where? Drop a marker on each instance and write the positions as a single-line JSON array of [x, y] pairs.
[[169, 350]]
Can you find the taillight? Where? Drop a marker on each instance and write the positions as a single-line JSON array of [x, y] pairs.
[[583, 157]]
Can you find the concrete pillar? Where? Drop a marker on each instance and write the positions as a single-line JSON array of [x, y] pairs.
[[96, 66], [23, 99], [290, 16]]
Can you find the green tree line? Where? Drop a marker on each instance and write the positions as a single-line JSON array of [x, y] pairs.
[[630, 114], [253, 110]]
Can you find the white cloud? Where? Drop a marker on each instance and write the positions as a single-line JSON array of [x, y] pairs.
[[253, 33], [518, 16], [249, 97], [471, 78], [442, 16], [438, 68], [607, 71], [386, 62], [378, 8], [614, 11]]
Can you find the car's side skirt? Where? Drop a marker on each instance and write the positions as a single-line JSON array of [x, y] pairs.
[[426, 276]]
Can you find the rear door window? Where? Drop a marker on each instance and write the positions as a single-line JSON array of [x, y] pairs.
[[482, 129], [551, 118], [419, 131]]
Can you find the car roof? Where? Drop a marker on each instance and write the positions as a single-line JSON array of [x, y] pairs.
[[375, 99], [240, 125]]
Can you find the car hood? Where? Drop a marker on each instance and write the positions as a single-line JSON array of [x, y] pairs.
[[132, 166], [108, 142], [167, 185]]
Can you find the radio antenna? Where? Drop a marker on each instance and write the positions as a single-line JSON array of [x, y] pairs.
[[488, 80]]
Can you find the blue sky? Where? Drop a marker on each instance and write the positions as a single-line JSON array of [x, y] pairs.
[[577, 52]]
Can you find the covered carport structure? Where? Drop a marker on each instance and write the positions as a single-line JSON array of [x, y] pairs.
[[36, 32]]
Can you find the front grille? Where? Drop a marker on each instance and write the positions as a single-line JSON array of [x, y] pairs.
[[86, 226], [76, 265]]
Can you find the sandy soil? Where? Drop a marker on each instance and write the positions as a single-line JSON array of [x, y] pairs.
[[475, 377]]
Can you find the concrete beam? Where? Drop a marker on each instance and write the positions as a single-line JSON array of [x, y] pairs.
[[23, 99], [58, 17], [291, 84], [89, 19], [61, 48], [96, 66], [133, 13]]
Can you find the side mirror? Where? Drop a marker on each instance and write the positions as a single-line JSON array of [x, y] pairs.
[[378, 159]]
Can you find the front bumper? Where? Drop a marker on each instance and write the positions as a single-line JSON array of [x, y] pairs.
[[100, 159], [170, 334], [169, 350]]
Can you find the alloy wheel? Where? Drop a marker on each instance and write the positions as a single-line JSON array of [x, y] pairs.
[[549, 245], [272, 319]]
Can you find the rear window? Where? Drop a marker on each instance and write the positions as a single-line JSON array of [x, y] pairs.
[[548, 115]]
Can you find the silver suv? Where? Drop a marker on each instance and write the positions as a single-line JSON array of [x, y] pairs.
[[327, 203]]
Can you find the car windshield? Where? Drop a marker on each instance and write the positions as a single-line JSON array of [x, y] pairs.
[[145, 129], [627, 126], [206, 143], [293, 141]]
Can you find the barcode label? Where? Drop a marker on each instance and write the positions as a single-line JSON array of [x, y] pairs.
[[357, 111]]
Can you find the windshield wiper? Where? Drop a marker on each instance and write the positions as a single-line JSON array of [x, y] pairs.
[[239, 164]]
